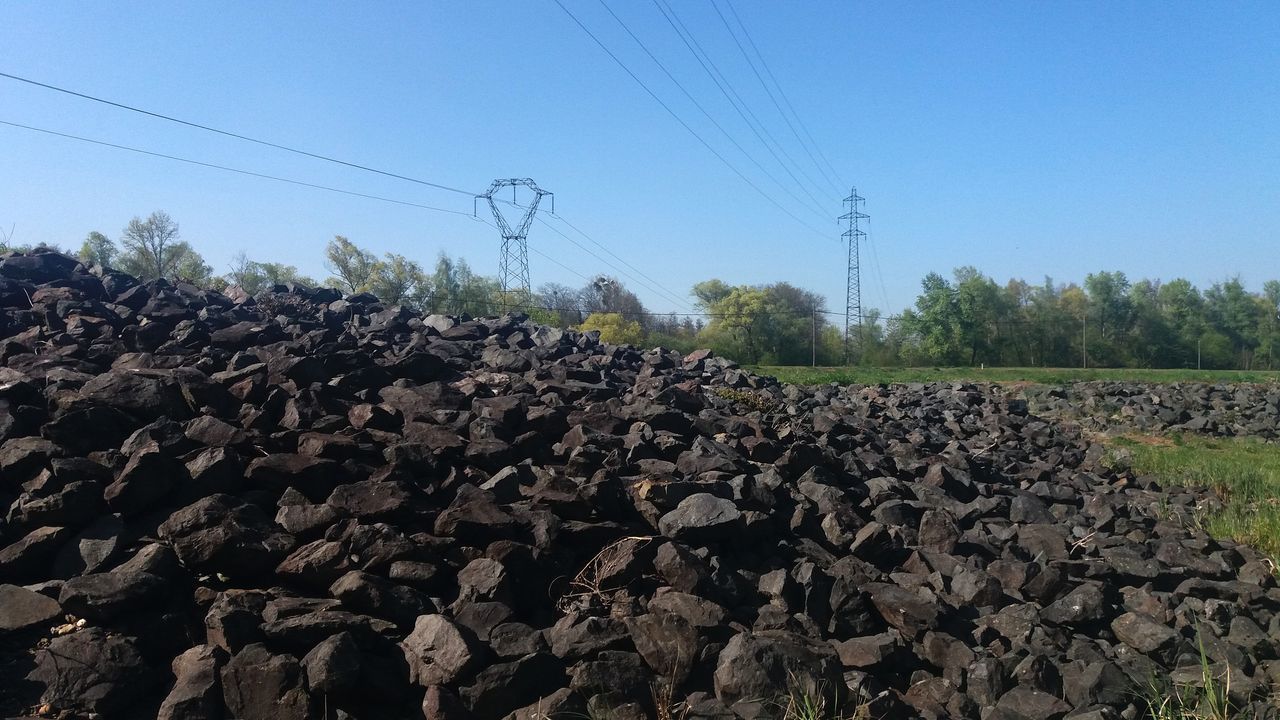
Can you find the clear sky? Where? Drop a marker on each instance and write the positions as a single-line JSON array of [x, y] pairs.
[[1026, 139]]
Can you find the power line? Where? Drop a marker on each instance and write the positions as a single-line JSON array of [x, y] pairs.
[[225, 168], [708, 115], [683, 124], [264, 176], [300, 183], [659, 290], [670, 294], [580, 246], [768, 92], [726, 88], [833, 177], [875, 260], [238, 136]]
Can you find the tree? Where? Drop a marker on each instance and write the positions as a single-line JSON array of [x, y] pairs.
[[397, 279], [935, 322], [1235, 314], [778, 324], [98, 250], [614, 328], [978, 307], [188, 266], [151, 247], [351, 266], [254, 277], [563, 301], [710, 292], [605, 294], [455, 290]]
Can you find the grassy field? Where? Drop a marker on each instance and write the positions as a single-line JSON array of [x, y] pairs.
[[1245, 472], [1045, 376]]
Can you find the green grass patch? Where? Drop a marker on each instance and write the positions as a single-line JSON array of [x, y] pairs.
[[1244, 472], [800, 375]]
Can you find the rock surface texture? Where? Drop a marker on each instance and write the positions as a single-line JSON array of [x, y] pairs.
[[307, 505]]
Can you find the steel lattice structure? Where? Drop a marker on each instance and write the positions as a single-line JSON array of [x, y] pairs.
[[853, 283], [513, 260]]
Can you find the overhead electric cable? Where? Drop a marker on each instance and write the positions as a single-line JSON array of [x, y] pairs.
[[619, 259], [659, 289], [751, 63], [225, 168], [238, 136], [588, 251], [735, 99], [833, 176], [685, 125], [816, 208]]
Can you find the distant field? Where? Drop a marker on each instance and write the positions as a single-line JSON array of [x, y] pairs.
[[1045, 376]]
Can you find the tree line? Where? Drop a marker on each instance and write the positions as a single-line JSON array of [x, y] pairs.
[[969, 319]]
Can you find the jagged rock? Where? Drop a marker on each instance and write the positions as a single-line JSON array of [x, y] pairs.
[[91, 671], [701, 518], [334, 666], [197, 687], [753, 666], [439, 651], [222, 533], [21, 609], [257, 685], [483, 517], [103, 596]]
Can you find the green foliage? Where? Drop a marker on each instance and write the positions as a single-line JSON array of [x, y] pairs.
[[614, 328], [150, 249], [1208, 699], [1109, 322], [351, 267], [254, 277], [774, 324], [397, 279], [1044, 376], [98, 250]]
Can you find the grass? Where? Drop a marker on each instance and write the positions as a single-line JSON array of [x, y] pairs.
[[800, 375], [1206, 700], [1244, 472]]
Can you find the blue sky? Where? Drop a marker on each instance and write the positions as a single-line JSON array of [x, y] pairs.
[[1027, 139]]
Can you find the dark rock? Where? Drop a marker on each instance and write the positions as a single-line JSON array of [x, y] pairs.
[[92, 671], [1144, 634], [502, 688], [668, 644], [440, 652], [702, 518], [21, 609], [226, 535], [754, 666], [334, 666], [909, 612], [104, 596], [197, 687], [146, 479], [257, 685]]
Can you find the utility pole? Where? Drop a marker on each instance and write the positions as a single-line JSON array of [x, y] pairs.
[[813, 337], [513, 260], [1084, 339], [853, 280]]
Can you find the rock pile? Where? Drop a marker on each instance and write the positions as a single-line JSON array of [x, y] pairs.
[[304, 505], [1227, 409]]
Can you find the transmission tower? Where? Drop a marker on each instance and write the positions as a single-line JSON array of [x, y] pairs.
[[853, 284], [513, 260]]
